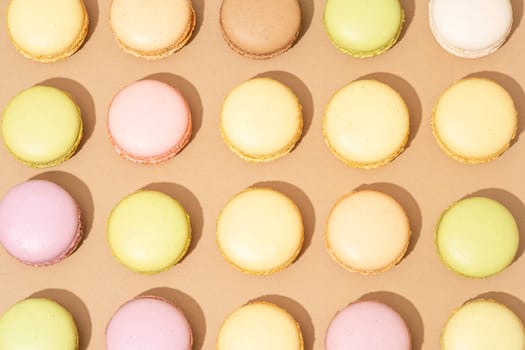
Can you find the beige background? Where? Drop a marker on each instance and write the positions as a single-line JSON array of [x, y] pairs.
[[206, 174]]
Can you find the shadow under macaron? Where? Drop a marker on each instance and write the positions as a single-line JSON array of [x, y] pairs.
[[76, 307], [515, 304]]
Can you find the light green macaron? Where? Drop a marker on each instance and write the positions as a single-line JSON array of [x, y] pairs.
[[477, 237], [42, 126], [363, 28], [38, 323], [149, 232]]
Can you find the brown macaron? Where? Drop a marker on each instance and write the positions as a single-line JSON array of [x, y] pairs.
[[260, 29]]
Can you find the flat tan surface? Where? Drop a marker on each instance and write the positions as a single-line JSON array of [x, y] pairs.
[[206, 174]]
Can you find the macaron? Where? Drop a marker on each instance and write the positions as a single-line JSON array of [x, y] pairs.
[[367, 325], [260, 28], [149, 232], [363, 28], [40, 223], [367, 232], [38, 323], [152, 29], [42, 126], [475, 120], [261, 120], [470, 28], [366, 124], [260, 326], [149, 122], [47, 31], [483, 325], [148, 322], [260, 231], [477, 237]]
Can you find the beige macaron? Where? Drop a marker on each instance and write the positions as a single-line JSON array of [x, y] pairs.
[[367, 232], [475, 120], [47, 31], [152, 29]]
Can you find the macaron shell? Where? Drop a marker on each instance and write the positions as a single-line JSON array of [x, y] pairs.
[[149, 122], [260, 231], [477, 237], [42, 126], [467, 33], [483, 325], [367, 232], [261, 120], [149, 231], [475, 120], [260, 326], [260, 29], [368, 325], [152, 29], [51, 326], [363, 28], [40, 32], [366, 124], [148, 323], [39, 223]]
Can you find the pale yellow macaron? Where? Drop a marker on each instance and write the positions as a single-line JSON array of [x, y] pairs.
[[260, 231], [260, 326], [261, 120], [483, 325], [49, 30], [367, 232], [475, 120], [152, 29], [366, 124]]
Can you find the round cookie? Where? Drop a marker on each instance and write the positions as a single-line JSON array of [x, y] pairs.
[[149, 232], [149, 122], [37, 323], [260, 28], [148, 322], [47, 30], [152, 29], [260, 231], [475, 120], [470, 28], [367, 325], [39, 223], [260, 326], [468, 234], [261, 120], [42, 126], [363, 28], [483, 325], [367, 232], [366, 124]]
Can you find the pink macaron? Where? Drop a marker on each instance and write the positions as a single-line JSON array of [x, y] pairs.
[[39, 223], [368, 325], [149, 122], [148, 322]]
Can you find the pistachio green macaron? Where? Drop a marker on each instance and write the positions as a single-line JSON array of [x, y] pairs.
[[477, 237], [363, 28], [42, 126], [149, 231], [38, 323]]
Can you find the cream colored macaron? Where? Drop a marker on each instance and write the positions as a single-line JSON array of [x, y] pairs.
[[261, 120], [260, 326], [475, 120], [483, 325], [47, 31], [152, 29], [260, 231], [367, 232], [366, 124]]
